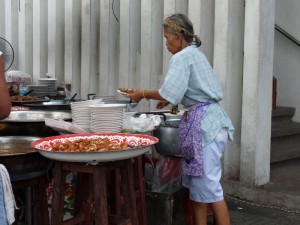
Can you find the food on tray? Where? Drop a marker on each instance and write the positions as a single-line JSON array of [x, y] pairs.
[[126, 90], [21, 98], [89, 145]]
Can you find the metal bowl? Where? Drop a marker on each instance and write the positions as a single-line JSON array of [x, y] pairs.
[[37, 116], [20, 159]]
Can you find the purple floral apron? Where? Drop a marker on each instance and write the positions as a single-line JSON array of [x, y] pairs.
[[190, 139]]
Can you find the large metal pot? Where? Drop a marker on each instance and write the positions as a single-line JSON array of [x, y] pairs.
[[21, 160], [31, 123], [168, 136]]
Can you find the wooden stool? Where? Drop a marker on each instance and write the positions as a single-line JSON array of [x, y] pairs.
[[41, 205], [139, 187], [91, 196], [140, 190]]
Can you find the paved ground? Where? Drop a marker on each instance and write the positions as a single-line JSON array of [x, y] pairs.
[[245, 213]]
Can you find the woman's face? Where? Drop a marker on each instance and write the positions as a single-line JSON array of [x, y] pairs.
[[173, 41]]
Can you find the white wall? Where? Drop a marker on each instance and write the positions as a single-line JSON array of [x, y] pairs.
[[287, 56]]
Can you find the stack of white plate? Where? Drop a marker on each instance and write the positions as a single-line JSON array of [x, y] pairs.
[[51, 85], [81, 113], [38, 90], [107, 118]]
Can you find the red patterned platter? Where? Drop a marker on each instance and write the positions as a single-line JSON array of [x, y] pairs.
[[139, 144]]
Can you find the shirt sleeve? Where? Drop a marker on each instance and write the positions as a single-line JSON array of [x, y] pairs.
[[176, 81]]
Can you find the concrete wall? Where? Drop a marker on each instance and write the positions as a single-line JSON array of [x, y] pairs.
[[98, 46], [287, 55]]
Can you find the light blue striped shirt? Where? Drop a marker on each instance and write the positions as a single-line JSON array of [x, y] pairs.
[[190, 79]]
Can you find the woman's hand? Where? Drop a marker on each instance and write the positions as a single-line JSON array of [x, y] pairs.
[[161, 104], [136, 96]]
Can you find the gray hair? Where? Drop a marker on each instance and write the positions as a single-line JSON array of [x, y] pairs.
[[181, 24]]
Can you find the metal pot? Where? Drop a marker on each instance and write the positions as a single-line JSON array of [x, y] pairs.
[[21, 160], [168, 136], [31, 123]]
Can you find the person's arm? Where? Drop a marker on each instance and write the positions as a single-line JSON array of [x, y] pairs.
[[5, 103], [138, 95]]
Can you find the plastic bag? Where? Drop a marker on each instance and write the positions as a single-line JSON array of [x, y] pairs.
[[143, 123], [167, 174], [23, 79]]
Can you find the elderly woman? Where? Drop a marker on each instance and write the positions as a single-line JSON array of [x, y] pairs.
[[205, 127], [5, 104]]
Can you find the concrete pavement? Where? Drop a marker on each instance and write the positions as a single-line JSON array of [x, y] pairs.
[[249, 213]]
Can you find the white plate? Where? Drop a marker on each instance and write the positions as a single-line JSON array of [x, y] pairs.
[[107, 112], [142, 144], [107, 120], [107, 107], [80, 115], [97, 129], [86, 103], [108, 130]]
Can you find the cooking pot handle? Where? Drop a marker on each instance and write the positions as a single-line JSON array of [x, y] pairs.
[[90, 95]]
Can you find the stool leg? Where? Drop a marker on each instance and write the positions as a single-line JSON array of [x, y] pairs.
[[84, 198], [140, 186], [114, 192], [129, 191], [42, 215], [57, 206], [100, 196]]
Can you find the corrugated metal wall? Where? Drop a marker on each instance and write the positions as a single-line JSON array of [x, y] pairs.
[[98, 45]]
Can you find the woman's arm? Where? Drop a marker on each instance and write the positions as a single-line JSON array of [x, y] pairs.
[[5, 103], [138, 95]]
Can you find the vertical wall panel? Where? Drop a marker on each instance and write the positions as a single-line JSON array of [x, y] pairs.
[[2, 18], [124, 79], [94, 33], [170, 7], [40, 40], [89, 35], [72, 44], [55, 39], [11, 27], [151, 48], [146, 48], [25, 36], [104, 46], [228, 61], [201, 13], [108, 47], [129, 42], [114, 40]]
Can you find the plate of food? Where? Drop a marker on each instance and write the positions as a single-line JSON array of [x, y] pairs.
[[94, 147], [125, 91], [22, 99]]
